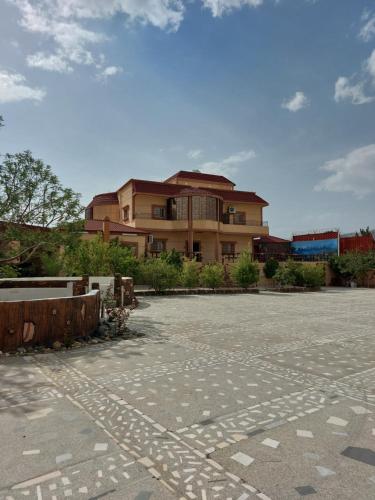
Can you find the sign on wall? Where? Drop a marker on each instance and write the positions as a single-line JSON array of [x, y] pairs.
[[316, 247]]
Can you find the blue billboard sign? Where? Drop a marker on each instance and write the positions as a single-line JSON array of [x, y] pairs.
[[316, 247]]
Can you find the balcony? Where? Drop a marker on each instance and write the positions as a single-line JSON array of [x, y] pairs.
[[228, 223], [242, 224], [147, 220]]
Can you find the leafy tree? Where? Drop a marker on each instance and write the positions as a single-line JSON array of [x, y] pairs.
[[172, 257], [159, 274], [51, 265], [353, 265], [190, 274], [365, 232], [270, 267], [32, 243], [88, 257], [8, 272], [245, 272], [122, 261], [31, 194], [1, 121], [98, 258], [212, 275]]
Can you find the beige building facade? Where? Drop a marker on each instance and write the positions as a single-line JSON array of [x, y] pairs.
[[199, 215]]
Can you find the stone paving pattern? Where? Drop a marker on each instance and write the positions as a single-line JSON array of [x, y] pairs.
[[268, 396]]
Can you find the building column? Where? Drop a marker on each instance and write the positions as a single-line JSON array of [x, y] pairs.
[[106, 229], [217, 235], [190, 226]]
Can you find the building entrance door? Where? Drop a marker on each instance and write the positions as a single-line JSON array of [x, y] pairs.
[[197, 250]]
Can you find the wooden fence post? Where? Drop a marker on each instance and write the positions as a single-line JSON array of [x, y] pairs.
[[117, 289]]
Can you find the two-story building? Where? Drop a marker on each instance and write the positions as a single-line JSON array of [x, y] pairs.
[[200, 215]]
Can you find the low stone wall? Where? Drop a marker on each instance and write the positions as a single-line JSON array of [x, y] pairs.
[[44, 321]]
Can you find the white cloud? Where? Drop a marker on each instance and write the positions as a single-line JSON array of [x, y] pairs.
[[52, 62], [227, 166], [344, 90], [367, 31], [297, 102], [64, 22], [194, 154], [353, 173], [13, 88], [61, 21], [370, 66], [220, 7], [109, 71]]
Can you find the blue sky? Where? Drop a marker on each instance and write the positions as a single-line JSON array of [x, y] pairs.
[[277, 95]]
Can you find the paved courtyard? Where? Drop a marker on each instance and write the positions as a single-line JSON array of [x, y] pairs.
[[223, 397]]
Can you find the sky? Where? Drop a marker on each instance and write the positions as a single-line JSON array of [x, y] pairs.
[[277, 95]]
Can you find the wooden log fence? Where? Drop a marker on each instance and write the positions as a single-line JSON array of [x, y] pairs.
[[44, 321]]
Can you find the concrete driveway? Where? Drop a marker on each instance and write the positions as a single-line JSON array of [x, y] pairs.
[[224, 397]]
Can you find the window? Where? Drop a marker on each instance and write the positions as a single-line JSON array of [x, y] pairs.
[[159, 212], [239, 218], [204, 207], [182, 208], [125, 213], [89, 213], [228, 247], [158, 245]]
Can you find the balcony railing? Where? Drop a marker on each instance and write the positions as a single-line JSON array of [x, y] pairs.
[[149, 215], [191, 255], [242, 221], [224, 219], [229, 257]]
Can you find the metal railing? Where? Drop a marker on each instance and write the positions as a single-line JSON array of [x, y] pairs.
[[229, 257], [149, 215], [224, 219], [281, 257]]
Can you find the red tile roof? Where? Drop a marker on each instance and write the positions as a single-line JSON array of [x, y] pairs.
[[104, 199], [199, 176], [93, 226], [163, 189]]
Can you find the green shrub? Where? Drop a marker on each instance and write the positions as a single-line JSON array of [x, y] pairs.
[[159, 274], [173, 258], [353, 265], [190, 274], [270, 268], [290, 274], [51, 265], [88, 257], [212, 275], [297, 274], [8, 272], [245, 272], [98, 258], [122, 261], [313, 276]]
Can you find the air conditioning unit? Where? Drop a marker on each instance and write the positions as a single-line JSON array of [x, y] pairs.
[[150, 239], [231, 210]]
